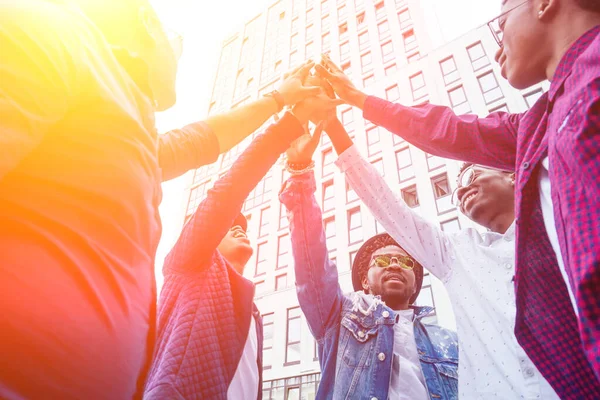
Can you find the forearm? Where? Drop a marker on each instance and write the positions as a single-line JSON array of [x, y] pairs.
[[232, 127], [437, 130], [224, 201], [317, 282], [339, 137]]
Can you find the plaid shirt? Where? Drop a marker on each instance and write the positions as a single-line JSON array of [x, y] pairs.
[[563, 125]]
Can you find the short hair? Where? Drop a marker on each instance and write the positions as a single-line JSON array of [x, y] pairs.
[[464, 166], [589, 5]]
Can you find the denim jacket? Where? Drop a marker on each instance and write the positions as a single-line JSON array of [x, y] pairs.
[[355, 333]]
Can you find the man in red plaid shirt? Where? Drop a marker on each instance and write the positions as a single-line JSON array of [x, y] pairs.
[[554, 148]]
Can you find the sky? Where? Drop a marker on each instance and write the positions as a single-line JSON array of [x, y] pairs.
[[204, 25]]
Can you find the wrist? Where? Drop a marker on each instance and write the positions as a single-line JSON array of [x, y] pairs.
[[357, 98]]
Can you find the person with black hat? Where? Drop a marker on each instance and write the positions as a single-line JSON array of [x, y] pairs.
[[372, 343]]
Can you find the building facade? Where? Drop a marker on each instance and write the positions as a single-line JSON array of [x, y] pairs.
[[386, 47]]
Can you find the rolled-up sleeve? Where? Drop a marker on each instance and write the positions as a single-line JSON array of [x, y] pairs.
[[190, 147]]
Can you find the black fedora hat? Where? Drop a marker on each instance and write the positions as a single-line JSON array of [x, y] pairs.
[[362, 260]]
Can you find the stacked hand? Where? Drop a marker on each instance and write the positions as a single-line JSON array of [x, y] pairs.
[[342, 85]]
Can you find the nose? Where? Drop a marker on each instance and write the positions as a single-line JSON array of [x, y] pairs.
[[460, 192], [499, 56]]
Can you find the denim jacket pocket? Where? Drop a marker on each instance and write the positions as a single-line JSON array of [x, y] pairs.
[[361, 335], [447, 372]]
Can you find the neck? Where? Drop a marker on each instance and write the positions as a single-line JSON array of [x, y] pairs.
[[238, 266], [575, 24], [502, 222], [397, 304]]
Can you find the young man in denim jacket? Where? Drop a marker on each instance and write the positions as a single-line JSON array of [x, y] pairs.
[[372, 343]]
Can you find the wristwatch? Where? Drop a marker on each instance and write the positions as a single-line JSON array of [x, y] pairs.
[[278, 98]]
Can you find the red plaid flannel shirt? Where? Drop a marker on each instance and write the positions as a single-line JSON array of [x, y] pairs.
[[564, 124]]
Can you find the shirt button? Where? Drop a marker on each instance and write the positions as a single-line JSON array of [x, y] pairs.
[[529, 372], [525, 165], [508, 266], [361, 334], [373, 398], [385, 314], [381, 357]]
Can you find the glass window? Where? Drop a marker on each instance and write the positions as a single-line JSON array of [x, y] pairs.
[[378, 164], [440, 186], [260, 288], [532, 97], [410, 41], [366, 62], [355, 232], [379, 10], [328, 196], [387, 51], [293, 336], [283, 251], [384, 29], [458, 100], [405, 166], [410, 196], [346, 68], [294, 41], [283, 220], [369, 80], [350, 194], [489, 87], [324, 7], [392, 93], [329, 225], [352, 257], [263, 228], [268, 321], [325, 22], [363, 40], [449, 70], [325, 42], [417, 84], [261, 259], [197, 194], [310, 14], [373, 141], [344, 51], [404, 19], [347, 117], [281, 282], [500, 108], [360, 20], [295, 23], [451, 226], [260, 194], [309, 32], [414, 57], [294, 58], [328, 164], [478, 57], [390, 70], [434, 162], [341, 12]]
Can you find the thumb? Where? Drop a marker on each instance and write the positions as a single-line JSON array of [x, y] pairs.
[[308, 91]]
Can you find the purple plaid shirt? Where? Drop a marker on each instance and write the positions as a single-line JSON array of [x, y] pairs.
[[563, 125]]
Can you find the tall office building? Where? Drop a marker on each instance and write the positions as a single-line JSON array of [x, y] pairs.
[[387, 48]]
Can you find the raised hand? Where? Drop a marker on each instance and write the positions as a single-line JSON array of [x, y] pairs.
[[293, 88], [342, 85], [302, 149]]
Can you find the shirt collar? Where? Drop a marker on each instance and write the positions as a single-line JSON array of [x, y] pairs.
[[510, 232], [563, 70]]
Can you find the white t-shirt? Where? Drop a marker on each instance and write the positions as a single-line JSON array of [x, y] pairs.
[[244, 385], [407, 380], [548, 214]]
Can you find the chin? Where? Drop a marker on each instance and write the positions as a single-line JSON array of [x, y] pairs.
[[521, 79]]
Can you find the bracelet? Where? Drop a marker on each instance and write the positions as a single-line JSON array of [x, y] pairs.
[[299, 168]]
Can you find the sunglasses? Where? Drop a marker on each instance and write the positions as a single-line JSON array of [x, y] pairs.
[[497, 24], [384, 261], [464, 179]]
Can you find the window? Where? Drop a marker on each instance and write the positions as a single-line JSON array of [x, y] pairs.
[[283, 220], [348, 119], [479, 58], [277, 66], [344, 50], [410, 41], [197, 194], [532, 97], [260, 288], [295, 25], [417, 84], [355, 233], [261, 259], [325, 42], [458, 100], [373, 141], [346, 69], [426, 295], [413, 57], [293, 335], [360, 21], [383, 28], [502, 107], [329, 225], [410, 196], [379, 228], [400, 3], [404, 19], [441, 192], [309, 50], [392, 93], [390, 70], [489, 87], [451, 226], [260, 194], [328, 165], [263, 228], [366, 62], [328, 196], [324, 7], [378, 164], [387, 51], [268, 325], [341, 12], [352, 257], [310, 14], [434, 162], [294, 59], [449, 70], [294, 41], [283, 251], [379, 10], [363, 41], [359, 4], [350, 194], [325, 23], [405, 166], [369, 80], [281, 282], [309, 32]]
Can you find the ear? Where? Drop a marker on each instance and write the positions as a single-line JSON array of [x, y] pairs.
[[546, 8], [512, 178], [365, 284]]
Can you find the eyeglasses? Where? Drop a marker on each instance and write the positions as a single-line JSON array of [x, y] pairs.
[[384, 261], [496, 25], [464, 179]]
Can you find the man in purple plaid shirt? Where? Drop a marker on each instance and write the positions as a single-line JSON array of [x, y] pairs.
[[554, 148]]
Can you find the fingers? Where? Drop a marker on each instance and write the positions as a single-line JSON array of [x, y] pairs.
[[295, 70], [311, 90], [330, 65], [323, 72], [304, 70]]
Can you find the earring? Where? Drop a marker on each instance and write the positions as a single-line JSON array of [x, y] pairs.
[[540, 13]]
